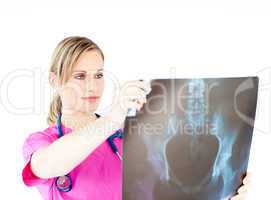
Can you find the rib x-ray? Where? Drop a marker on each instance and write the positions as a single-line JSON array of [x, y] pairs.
[[191, 140]]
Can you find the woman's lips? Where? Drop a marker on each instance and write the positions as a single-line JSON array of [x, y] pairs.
[[91, 98]]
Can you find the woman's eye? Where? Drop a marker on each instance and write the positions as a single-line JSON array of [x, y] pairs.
[[99, 75], [79, 76]]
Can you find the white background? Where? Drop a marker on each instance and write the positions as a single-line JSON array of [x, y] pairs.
[[140, 40]]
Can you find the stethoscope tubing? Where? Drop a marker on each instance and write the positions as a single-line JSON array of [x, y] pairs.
[[66, 178]]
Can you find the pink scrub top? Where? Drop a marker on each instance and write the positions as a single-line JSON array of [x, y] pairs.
[[99, 176]]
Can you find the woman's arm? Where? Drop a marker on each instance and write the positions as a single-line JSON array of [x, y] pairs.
[[64, 154], [60, 157]]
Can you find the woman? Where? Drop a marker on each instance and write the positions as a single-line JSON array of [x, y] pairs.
[[72, 158]]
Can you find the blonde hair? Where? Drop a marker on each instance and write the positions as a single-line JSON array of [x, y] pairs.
[[63, 59]]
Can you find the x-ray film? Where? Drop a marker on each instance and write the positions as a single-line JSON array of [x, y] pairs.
[[191, 140]]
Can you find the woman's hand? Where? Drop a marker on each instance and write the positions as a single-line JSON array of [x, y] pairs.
[[132, 95], [242, 191]]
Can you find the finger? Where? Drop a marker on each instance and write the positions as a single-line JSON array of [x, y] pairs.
[[242, 189], [132, 90], [237, 197], [145, 100], [141, 100], [137, 95], [134, 105], [240, 197], [247, 179], [138, 83], [132, 101], [143, 85], [141, 93], [243, 196], [139, 103], [146, 85], [139, 106]]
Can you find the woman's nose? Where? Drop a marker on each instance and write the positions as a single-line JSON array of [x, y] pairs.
[[92, 84]]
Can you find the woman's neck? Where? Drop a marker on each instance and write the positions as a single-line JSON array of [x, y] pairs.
[[78, 120]]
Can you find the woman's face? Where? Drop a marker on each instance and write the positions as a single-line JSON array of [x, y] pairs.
[[83, 90]]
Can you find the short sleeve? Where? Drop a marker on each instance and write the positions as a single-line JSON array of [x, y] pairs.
[[31, 144]]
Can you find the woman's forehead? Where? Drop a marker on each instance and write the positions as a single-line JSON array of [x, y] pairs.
[[90, 61]]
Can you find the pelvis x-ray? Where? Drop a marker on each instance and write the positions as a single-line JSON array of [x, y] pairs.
[[191, 140]]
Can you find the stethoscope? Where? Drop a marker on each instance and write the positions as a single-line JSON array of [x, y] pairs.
[[64, 183]]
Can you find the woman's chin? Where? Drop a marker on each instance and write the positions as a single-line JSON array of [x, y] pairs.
[[90, 109]]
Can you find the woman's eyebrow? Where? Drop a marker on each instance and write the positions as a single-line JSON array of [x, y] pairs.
[[101, 69], [79, 71]]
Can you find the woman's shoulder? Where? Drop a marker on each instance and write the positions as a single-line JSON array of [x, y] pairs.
[[43, 137], [48, 133], [38, 139]]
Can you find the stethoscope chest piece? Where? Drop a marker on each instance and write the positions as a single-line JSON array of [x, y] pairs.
[[64, 183]]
